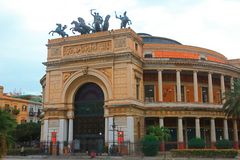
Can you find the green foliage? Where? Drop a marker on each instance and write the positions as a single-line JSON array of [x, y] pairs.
[[224, 144], [15, 111], [27, 132], [161, 133], [232, 103], [150, 145], [7, 125], [205, 153], [196, 143]]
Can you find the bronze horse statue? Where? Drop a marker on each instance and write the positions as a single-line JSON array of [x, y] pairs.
[[80, 27], [60, 30]]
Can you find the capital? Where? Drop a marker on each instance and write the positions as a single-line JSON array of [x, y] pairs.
[[70, 114]]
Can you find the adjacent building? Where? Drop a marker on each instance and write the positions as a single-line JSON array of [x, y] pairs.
[[98, 84], [23, 109]]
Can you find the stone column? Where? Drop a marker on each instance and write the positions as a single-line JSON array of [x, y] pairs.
[[110, 132], [213, 134], [42, 131], [225, 129], [195, 86], [161, 123], [210, 88], [107, 128], [178, 77], [130, 128], [70, 115], [222, 88], [160, 86], [235, 134], [231, 83], [62, 134], [180, 134], [162, 144], [197, 126], [45, 132], [70, 131]]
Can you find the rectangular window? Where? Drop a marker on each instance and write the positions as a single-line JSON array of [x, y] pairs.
[[148, 55], [137, 87], [149, 93], [204, 94], [182, 94]]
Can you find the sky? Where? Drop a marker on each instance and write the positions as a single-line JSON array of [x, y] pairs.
[[211, 24]]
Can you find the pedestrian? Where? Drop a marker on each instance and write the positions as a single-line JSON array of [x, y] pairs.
[[22, 151], [69, 148]]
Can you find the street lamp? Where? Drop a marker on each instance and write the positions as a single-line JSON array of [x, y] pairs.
[[114, 127]]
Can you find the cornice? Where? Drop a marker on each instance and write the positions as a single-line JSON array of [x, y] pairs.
[[94, 37], [73, 59]]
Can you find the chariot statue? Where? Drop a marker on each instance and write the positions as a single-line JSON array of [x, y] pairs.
[[99, 24], [80, 26]]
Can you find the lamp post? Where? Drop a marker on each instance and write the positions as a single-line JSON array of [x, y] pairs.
[[113, 150], [113, 127]]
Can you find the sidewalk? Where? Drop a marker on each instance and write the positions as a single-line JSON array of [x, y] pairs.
[[73, 157]]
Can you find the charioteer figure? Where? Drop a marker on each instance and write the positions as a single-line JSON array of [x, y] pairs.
[[124, 19]]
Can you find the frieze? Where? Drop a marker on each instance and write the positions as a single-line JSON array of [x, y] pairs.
[[184, 113], [55, 113], [125, 110], [87, 48]]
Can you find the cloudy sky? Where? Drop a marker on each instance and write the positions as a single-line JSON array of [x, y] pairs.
[[212, 24]]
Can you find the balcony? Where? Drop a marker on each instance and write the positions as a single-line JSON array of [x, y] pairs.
[[31, 113]]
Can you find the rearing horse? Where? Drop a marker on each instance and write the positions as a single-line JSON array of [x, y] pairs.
[[76, 28], [60, 30]]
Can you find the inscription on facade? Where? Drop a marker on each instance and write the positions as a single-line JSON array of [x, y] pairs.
[[53, 123], [87, 48]]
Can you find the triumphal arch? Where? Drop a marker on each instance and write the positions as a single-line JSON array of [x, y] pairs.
[[93, 89]]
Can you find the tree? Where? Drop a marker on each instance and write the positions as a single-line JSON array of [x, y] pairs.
[[7, 126], [27, 132], [161, 133], [232, 104]]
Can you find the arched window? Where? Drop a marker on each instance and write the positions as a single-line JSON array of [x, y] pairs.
[[24, 108]]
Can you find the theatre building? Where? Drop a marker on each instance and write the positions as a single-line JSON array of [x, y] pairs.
[[99, 84]]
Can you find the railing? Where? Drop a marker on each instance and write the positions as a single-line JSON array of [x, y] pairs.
[[31, 113]]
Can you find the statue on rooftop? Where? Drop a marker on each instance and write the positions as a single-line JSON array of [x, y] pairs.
[[106, 23], [60, 30], [80, 26], [97, 21], [124, 19]]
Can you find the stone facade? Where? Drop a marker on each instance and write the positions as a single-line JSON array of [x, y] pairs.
[[22, 109], [138, 90]]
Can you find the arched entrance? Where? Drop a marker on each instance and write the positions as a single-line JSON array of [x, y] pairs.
[[89, 123]]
